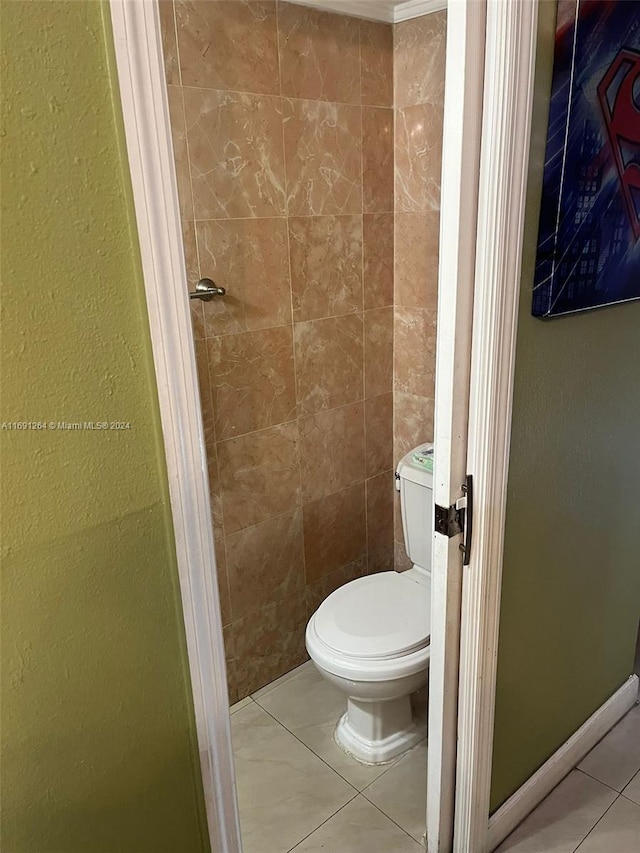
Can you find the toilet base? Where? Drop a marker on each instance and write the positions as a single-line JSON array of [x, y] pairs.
[[378, 732]]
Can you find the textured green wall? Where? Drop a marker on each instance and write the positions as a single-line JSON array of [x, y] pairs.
[[98, 737], [571, 586]]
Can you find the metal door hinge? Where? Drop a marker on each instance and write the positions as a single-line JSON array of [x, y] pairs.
[[458, 518]]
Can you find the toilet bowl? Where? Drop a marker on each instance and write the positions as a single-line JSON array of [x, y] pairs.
[[370, 638]]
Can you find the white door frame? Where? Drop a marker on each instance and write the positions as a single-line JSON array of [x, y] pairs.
[[509, 50]]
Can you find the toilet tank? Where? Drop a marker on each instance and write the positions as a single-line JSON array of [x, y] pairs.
[[415, 484]]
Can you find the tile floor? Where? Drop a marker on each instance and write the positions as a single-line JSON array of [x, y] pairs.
[[298, 791], [596, 808]]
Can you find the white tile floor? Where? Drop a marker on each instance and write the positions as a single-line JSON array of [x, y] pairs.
[[298, 791]]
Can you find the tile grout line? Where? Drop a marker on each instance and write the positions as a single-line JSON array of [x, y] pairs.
[[295, 216], [393, 321], [280, 723], [355, 313], [282, 95], [291, 306], [595, 778], [244, 699], [575, 849], [394, 763], [257, 524], [175, 31], [292, 849], [307, 747], [280, 681], [364, 322], [388, 817], [369, 784], [193, 204], [320, 825], [302, 417]]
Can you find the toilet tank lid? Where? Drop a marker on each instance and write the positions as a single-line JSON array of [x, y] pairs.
[[377, 616], [409, 469]]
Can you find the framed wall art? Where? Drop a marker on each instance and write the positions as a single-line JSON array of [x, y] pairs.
[[589, 236]]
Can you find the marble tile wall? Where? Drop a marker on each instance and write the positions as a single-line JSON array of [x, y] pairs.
[[419, 65], [283, 131]]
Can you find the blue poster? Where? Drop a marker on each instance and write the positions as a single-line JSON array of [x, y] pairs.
[[589, 236]]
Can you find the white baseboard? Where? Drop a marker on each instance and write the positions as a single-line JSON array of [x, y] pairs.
[[553, 771]]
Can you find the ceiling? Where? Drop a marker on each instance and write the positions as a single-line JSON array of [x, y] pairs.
[[391, 11]]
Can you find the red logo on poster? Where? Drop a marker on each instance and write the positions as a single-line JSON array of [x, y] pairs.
[[622, 117]]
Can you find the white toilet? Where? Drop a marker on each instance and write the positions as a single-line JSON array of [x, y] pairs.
[[370, 638]]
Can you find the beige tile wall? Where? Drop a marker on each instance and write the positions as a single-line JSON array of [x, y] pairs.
[[283, 122], [419, 63]]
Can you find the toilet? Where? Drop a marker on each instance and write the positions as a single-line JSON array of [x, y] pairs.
[[370, 638]]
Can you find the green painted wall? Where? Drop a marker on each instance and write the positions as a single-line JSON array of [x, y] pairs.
[[99, 750], [571, 587]]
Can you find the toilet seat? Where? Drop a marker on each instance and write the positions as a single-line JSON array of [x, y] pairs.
[[374, 617], [373, 628]]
